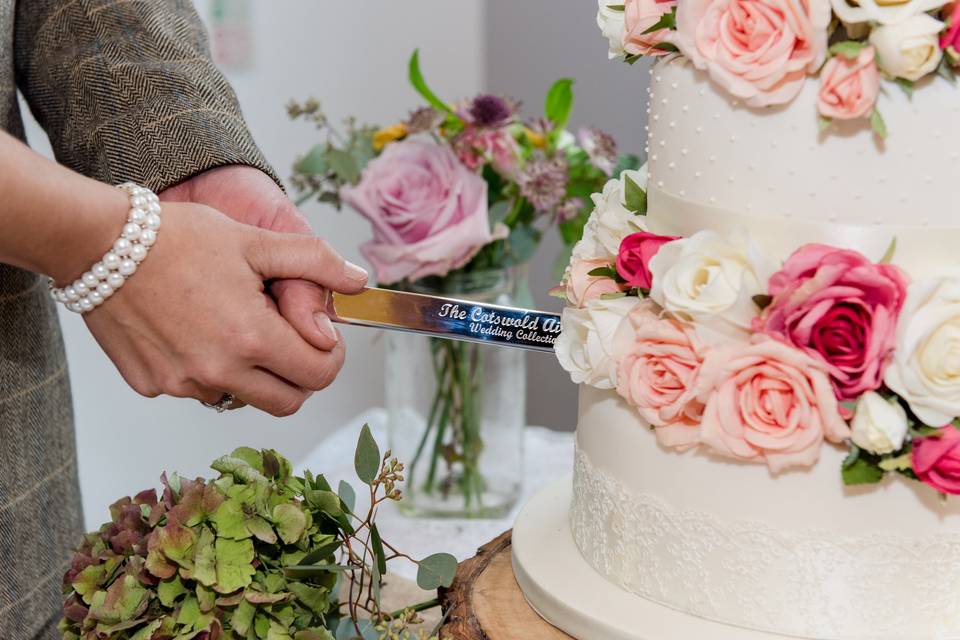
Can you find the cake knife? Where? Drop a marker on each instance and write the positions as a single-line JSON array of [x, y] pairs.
[[449, 318]]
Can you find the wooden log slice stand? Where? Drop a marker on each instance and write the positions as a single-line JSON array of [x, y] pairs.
[[485, 603]]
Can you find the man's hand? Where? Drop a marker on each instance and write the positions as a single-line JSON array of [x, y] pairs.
[[250, 196]]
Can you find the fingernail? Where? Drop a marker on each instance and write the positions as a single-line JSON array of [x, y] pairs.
[[325, 326], [355, 272]]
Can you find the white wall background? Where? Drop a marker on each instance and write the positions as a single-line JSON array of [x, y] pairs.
[[352, 55]]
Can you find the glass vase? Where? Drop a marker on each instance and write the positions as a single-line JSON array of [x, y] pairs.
[[456, 410]]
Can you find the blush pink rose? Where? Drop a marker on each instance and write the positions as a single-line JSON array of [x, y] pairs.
[[658, 373], [848, 88], [428, 211], [582, 287], [633, 258], [638, 17], [768, 402], [839, 308], [936, 460], [758, 50]]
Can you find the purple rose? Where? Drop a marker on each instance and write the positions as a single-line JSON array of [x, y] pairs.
[[428, 211]]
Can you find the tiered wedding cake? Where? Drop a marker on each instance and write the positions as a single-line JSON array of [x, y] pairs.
[[766, 328]]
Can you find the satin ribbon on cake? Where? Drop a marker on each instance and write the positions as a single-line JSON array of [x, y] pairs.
[[921, 250]]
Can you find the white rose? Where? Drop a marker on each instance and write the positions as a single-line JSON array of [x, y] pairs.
[[610, 22], [879, 426], [909, 49], [925, 370], [585, 344], [711, 279], [882, 11], [610, 221]]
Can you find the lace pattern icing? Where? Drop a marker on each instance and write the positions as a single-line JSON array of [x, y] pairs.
[[809, 583]]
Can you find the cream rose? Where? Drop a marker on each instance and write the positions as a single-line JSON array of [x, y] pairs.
[[610, 221], [882, 11], [711, 279], [879, 425], [925, 370], [909, 49], [585, 344], [611, 23]]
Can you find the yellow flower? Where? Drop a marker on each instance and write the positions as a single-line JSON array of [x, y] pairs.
[[536, 139], [385, 136]]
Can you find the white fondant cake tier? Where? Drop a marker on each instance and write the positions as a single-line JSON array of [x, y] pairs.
[[797, 554]]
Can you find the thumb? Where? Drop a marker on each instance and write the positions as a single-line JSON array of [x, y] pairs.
[[299, 257]]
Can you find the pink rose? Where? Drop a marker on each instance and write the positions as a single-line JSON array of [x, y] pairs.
[[848, 88], [658, 373], [758, 50], [633, 258], [582, 287], [839, 308], [950, 40], [768, 402], [639, 16], [936, 460], [428, 211]]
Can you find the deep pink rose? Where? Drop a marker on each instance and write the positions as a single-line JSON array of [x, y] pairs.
[[582, 287], [950, 40], [840, 309], [658, 373], [428, 211], [759, 50], [936, 460], [633, 258], [848, 88], [768, 402], [639, 16]]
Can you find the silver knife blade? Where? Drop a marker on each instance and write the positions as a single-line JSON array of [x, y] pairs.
[[449, 318]]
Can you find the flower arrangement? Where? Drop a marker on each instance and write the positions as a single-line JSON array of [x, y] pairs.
[[762, 51], [256, 553], [716, 348], [454, 190]]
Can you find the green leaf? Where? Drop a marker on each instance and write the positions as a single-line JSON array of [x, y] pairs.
[[206, 598], [613, 295], [616, 7], [877, 124], [375, 580], [823, 123], [602, 272], [304, 571], [234, 564], [205, 561], [343, 165], [366, 460], [322, 552], [377, 543], [315, 162], [891, 250], [420, 84], [229, 520], [249, 455], [242, 618], [145, 633], [290, 521], [666, 46], [559, 103], [864, 469], [347, 495], [313, 598], [498, 211], [314, 633], [189, 613], [762, 300], [898, 463], [634, 197], [849, 49], [261, 529], [523, 241], [124, 600], [169, 590], [666, 21], [437, 570], [239, 469], [906, 85]]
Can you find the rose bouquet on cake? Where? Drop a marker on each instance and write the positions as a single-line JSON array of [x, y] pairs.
[[719, 349], [459, 196], [763, 51]]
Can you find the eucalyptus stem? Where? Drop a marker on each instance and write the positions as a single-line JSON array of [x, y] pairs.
[[416, 608]]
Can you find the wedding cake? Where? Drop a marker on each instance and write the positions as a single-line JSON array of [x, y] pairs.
[[765, 325]]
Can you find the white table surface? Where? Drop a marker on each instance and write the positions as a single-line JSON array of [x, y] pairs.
[[548, 455]]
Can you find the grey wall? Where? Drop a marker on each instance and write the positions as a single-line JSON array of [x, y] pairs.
[[529, 44]]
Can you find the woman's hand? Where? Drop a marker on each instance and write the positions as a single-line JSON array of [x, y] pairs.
[[194, 320]]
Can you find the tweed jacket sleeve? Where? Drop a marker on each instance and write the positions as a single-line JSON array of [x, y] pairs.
[[126, 90]]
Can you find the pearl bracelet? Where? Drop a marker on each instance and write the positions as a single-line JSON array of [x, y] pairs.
[[105, 277]]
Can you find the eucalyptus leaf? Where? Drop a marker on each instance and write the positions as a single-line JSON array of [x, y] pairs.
[[377, 543], [437, 570], [343, 164], [366, 460], [348, 497]]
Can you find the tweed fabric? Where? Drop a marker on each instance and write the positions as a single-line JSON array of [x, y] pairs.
[[126, 90]]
